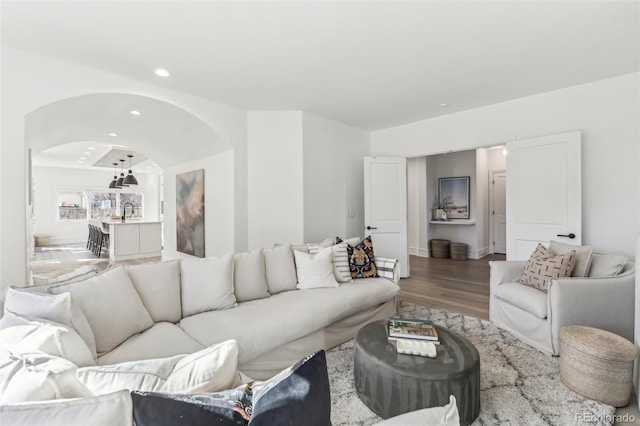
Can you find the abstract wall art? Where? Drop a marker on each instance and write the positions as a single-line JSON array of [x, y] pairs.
[[190, 212]]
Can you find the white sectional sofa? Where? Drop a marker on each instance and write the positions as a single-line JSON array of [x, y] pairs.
[[167, 309]]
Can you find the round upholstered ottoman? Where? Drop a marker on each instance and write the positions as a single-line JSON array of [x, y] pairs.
[[597, 364]]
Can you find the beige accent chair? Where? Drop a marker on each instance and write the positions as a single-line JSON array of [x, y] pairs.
[[604, 298]]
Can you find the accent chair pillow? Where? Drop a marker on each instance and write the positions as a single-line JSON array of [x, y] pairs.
[[315, 270], [339, 260], [607, 265], [583, 256], [207, 284], [158, 284], [56, 308], [209, 370], [361, 259], [280, 269], [249, 276], [543, 266], [112, 306], [105, 410]]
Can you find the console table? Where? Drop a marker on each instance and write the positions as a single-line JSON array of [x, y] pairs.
[[134, 240]]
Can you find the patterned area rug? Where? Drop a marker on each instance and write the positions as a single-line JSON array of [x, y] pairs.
[[519, 385]]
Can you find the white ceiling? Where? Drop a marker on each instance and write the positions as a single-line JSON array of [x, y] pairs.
[[369, 64]]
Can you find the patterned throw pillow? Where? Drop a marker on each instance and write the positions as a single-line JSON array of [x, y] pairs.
[[361, 259], [285, 399], [543, 266]]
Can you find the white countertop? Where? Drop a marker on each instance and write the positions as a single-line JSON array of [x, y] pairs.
[[129, 222]]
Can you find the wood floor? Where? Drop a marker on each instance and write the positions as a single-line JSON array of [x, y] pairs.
[[453, 285]]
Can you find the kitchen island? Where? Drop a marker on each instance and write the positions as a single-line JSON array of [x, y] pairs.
[[134, 239]]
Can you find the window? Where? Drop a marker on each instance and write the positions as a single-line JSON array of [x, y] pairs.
[[83, 205]]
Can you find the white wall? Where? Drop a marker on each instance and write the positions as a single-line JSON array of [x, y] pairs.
[[418, 207], [275, 177], [605, 111], [47, 180], [333, 178], [30, 82], [219, 194]]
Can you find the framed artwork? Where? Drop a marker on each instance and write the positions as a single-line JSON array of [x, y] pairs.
[[454, 196], [190, 213]]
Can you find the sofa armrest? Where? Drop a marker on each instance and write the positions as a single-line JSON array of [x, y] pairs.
[[505, 271], [388, 268], [607, 303]]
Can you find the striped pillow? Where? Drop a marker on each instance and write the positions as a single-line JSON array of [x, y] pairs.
[[340, 261]]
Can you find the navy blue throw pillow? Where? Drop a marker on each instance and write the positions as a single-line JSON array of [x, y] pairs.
[[297, 396], [226, 408]]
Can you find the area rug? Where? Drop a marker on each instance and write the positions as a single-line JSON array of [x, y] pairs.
[[519, 385]]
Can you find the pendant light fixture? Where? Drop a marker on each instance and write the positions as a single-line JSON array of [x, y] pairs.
[[114, 182], [130, 179], [120, 182]]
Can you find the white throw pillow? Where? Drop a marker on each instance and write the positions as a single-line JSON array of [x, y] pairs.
[[104, 410], [249, 276], [435, 416], [112, 306], [315, 270], [280, 268], [24, 334], [340, 261], [607, 265], [158, 284], [583, 256], [212, 369], [57, 308], [207, 284], [36, 377]]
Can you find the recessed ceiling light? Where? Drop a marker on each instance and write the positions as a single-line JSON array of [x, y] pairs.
[[83, 158], [79, 162], [444, 105], [86, 153], [162, 72], [135, 112], [115, 134], [91, 148]]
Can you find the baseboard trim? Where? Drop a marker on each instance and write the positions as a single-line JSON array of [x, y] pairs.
[[420, 252], [480, 253]]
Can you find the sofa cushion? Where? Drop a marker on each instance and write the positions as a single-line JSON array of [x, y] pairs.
[[361, 258], [226, 408], [22, 334], [286, 316], [583, 256], [105, 410], [163, 340], [315, 270], [607, 265], [207, 284], [158, 285], [100, 298], [208, 370], [58, 308], [543, 266], [280, 269], [298, 395], [37, 376], [524, 297], [249, 276], [339, 260]]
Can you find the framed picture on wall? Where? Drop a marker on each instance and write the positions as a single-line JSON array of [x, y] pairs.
[[453, 194]]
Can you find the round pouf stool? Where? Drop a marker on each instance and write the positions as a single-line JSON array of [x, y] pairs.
[[458, 251], [597, 364], [439, 248]]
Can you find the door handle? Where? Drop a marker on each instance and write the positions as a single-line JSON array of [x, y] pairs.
[[571, 235], [371, 227]]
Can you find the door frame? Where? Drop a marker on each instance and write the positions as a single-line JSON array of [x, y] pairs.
[[492, 229]]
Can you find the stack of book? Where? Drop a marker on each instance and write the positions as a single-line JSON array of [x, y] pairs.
[[412, 328]]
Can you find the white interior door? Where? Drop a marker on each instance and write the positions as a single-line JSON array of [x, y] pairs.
[[385, 207], [544, 192], [499, 212]]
